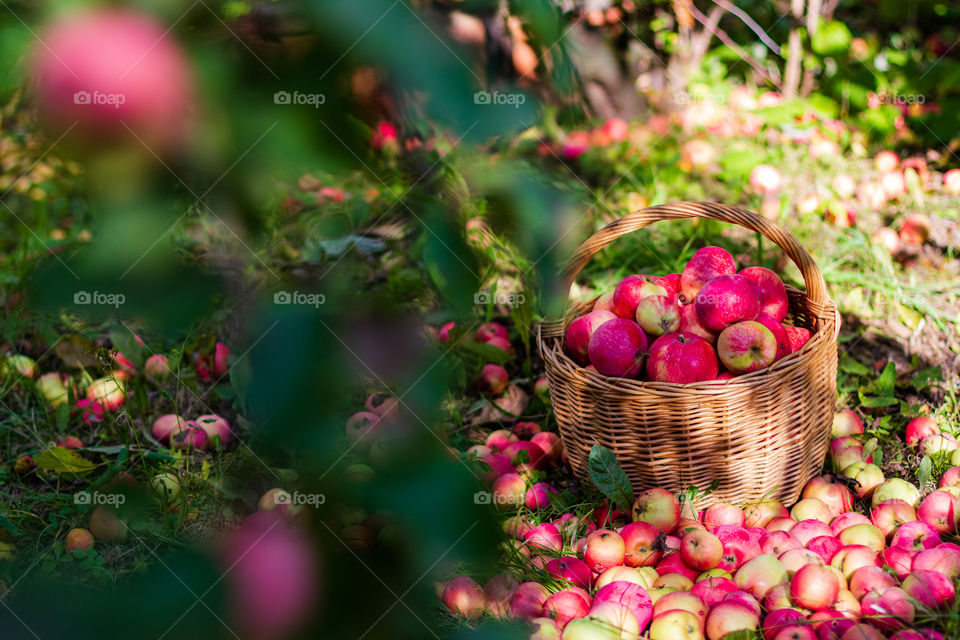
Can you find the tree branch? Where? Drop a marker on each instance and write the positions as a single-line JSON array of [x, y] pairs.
[[737, 49], [747, 20]]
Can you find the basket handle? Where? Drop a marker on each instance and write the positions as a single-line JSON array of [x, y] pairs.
[[812, 278]]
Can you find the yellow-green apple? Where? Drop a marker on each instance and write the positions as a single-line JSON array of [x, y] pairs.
[[727, 300], [528, 599], [938, 443], [832, 492], [940, 510], [659, 507], [579, 332], [888, 610], [545, 629], [847, 519], [777, 542], [814, 587], [567, 604], [493, 379], [713, 590], [656, 593], [589, 629], [631, 290], [779, 333], [937, 559], [846, 604], [658, 315], [684, 601], [867, 579], [864, 534], [570, 569], [109, 393], [760, 514], [617, 348], [886, 160], [18, 365], [605, 549], [679, 581], [867, 476], [700, 550], [463, 596], [53, 388], [672, 563], [544, 536], [825, 546], [765, 179], [759, 574], [896, 489], [728, 617], [707, 263], [851, 557], [681, 358], [643, 576], [772, 293], [812, 509], [890, 514], [916, 535], [846, 423], [746, 346], [676, 624], [932, 589], [617, 616]]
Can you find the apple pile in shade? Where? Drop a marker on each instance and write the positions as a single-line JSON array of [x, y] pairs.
[[709, 322], [819, 570]]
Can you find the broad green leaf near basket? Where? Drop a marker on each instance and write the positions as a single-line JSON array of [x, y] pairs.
[[609, 477]]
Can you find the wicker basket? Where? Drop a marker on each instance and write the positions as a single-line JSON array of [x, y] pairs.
[[760, 435]]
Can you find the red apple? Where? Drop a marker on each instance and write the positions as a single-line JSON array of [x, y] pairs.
[[494, 379], [631, 290], [528, 600], [746, 346], [920, 428], [579, 332], [867, 579], [772, 293], [707, 263], [690, 323], [491, 330], [726, 300], [798, 336], [570, 569], [932, 589], [846, 423], [779, 333], [915, 229], [700, 550], [831, 491], [723, 514], [940, 510], [641, 544], [681, 358], [566, 605], [605, 549], [617, 348], [463, 596]]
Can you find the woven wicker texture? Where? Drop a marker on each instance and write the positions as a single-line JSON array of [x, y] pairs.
[[760, 435]]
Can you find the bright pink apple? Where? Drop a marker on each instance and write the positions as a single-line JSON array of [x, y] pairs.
[[579, 332], [807, 530], [713, 590], [916, 535], [491, 330], [867, 579], [723, 514], [499, 439], [825, 546], [617, 348], [898, 559], [920, 428], [672, 563], [690, 323], [550, 444], [847, 519], [798, 336], [888, 610], [681, 358], [566, 605], [780, 619], [777, 542], [779, 333], [630, 291], [726, 300], [746, 346], [538, 496], [570, 569], [930, 588], [528, 600], [937, 559], [940, 510], [707, 263], [632, 596], [772, 293], [494, 379]]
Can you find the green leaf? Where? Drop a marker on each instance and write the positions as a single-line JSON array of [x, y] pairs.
[[853, 367], [926, 378], [924, 471], [609, 477], [63, 460], [832, 38], [869, 448], [887, 381], [124, 341], [876, 401]]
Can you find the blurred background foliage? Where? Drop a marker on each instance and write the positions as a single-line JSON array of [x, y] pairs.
[[254, 204]]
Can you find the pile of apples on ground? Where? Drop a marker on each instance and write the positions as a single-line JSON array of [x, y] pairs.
[[709, 322], [817, 571]]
